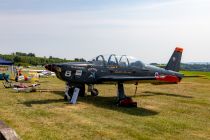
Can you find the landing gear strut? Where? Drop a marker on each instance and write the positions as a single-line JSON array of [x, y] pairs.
[[122, 99], [70, 90]]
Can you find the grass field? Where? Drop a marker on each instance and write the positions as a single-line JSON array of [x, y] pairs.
[[164, 112], [196, 73]]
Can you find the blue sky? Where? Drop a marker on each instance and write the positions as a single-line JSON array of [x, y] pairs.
[[148, 29]]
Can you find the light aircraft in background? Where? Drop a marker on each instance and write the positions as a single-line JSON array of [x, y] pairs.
[[19, 87], [117, 70], [46, 73], [40, 73]]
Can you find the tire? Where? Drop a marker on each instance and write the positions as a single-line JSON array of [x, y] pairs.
[[65, 98], [94, 92]]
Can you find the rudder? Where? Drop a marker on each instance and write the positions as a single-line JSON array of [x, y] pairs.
[[175, 60]]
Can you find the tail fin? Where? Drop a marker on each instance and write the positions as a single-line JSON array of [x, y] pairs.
[[175, 60]]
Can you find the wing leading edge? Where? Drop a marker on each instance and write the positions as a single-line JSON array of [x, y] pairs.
[[148, 79]]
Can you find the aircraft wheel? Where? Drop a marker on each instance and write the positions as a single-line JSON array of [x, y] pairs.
[[65, 98], [94, 92], [82, 90]]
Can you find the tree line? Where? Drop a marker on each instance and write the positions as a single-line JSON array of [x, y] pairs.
[[189, 67], [196, 67], [30, 59]]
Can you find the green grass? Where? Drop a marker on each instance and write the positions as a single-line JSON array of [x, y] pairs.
[[164, 112], [196, 73]]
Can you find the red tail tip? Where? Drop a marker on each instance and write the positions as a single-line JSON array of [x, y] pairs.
[[179, 49]]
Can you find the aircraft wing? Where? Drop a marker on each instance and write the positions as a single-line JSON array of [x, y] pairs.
[[125, 78]]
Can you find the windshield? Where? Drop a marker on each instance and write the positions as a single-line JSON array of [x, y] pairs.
[[117, 60]]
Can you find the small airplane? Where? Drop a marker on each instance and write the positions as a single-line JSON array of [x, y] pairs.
[[18, 87], [43, 73], [117, 70], [26, 88], [40, 73]]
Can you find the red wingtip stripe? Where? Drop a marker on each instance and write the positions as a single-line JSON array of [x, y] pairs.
[[179, 49]]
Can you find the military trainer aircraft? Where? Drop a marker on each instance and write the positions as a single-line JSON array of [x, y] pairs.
[[118, 70]]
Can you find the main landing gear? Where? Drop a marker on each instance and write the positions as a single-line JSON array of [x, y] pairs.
[[122, 99]]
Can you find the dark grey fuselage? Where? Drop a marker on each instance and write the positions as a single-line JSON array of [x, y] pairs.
[[92, 73]]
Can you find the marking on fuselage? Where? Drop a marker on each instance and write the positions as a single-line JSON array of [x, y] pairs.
[[58, 69], [174, 59], [68, 73], [157, 74], [77, 67], [92, 75], [92, 70], [78, 73], [122, 72]]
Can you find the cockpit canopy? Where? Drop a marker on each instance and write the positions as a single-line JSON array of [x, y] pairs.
[[114, 60]]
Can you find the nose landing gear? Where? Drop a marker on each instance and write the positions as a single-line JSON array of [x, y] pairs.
[[92, 90], [70, 90]]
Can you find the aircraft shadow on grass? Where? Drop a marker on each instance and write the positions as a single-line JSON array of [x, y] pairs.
[[34, 102], [152, 93], [103, 102]]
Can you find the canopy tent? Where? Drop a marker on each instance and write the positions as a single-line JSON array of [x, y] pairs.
[[5, 62]]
